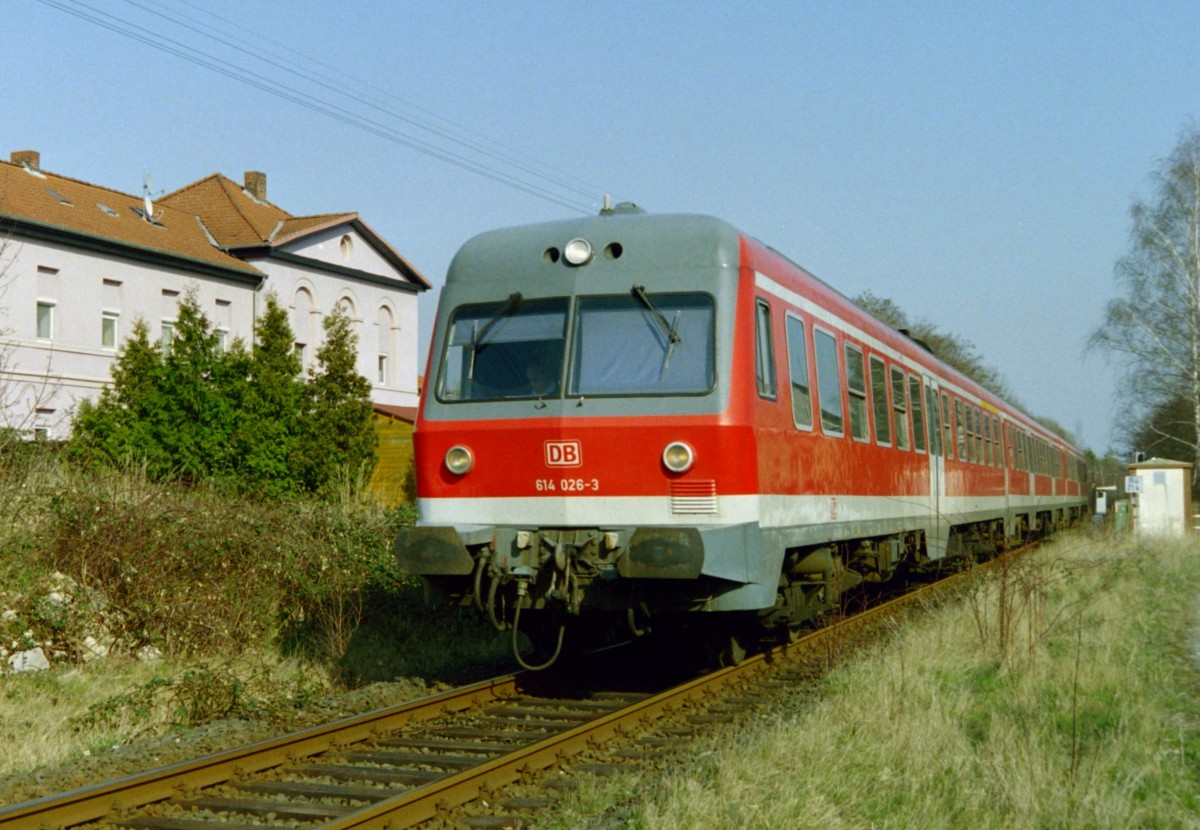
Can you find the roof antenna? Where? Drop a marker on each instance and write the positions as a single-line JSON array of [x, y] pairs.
[[148, 206]]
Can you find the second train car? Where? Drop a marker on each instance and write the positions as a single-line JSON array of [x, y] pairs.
[[634, 420]]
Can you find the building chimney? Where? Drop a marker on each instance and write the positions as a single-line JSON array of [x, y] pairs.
[[256, 184], [27, 158]]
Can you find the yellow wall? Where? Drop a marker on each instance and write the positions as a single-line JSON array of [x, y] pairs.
[[395, 458]]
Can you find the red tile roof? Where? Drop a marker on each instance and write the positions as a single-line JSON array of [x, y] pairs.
[[33, 197], [402, 413], [205, 221]]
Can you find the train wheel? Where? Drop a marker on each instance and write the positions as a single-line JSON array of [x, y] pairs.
[[788, 633], [732, 653]]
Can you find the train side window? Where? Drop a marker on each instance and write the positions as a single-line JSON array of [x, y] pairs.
[[935, 421], [987, 439], [918, 413], [829, 382], [764, 351], [978, 435], [998, 436], [947, 429], [970, 430], [900, 409], [960, 429], [879, 401], [856, 385], [798, 372]]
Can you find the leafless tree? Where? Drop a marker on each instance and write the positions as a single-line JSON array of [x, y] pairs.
[[1154, 329]]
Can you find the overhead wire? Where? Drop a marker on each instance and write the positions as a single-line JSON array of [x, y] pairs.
[[467, 137], [133, 31]]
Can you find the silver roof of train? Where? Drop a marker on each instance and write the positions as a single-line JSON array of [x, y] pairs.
[[619, 239]]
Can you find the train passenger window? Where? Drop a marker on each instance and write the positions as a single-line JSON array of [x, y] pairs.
[[879, 401], [829, 382], [998, 453], [960, 428], [947, 429], [900, 407], [987, 439], [918, 413], [856, 385], [494, 349], [969, 428], [935, 421], [638, 344], [798, 372], [978, 435], [764, 351]]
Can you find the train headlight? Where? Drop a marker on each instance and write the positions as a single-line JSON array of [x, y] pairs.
[[578, 252], [459, 460], [678, 457]]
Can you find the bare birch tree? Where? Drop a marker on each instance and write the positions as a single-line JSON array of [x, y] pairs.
[[1154, 329]]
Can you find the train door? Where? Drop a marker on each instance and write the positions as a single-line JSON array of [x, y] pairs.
[[938, 534]]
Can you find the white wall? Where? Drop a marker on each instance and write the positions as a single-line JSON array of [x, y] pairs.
[[1162, 502], [41, 380], [49, 376]]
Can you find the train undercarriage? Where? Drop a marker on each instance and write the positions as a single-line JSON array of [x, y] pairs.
[[557, 589]]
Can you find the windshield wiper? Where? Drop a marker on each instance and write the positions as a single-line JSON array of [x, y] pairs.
[[477, 337], [670, 329]]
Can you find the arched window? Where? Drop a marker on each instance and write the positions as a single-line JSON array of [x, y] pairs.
[[383, 330], [302, 326]]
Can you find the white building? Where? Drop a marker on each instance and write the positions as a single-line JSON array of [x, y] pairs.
[[79, 263]]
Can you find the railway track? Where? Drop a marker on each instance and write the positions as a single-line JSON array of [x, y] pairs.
[[424, 760]]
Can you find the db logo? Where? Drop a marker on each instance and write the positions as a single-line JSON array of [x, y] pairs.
[[563, 454]]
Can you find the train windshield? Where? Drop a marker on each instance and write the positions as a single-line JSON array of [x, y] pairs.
[[630, 344], [500, 351], [639, 344]]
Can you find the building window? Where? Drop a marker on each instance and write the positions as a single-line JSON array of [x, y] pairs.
[[222, 339], [382, 365], [298, 350], [168, 335], [108, 330], [347, 247], [45, 319]]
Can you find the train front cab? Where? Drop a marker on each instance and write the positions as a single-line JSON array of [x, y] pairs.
[[628, 491]]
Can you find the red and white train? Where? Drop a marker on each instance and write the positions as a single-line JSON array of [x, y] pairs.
[[659, 421]]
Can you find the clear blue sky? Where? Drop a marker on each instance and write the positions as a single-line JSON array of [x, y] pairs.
[[976, 165]]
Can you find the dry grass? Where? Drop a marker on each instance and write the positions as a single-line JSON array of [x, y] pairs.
[[1058, 693], [50, 717]]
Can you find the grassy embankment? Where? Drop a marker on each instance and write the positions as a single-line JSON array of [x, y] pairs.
[[254, 610], [1062, 692]]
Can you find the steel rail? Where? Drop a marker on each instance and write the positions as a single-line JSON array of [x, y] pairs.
[[99, 801], [111, 800]]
